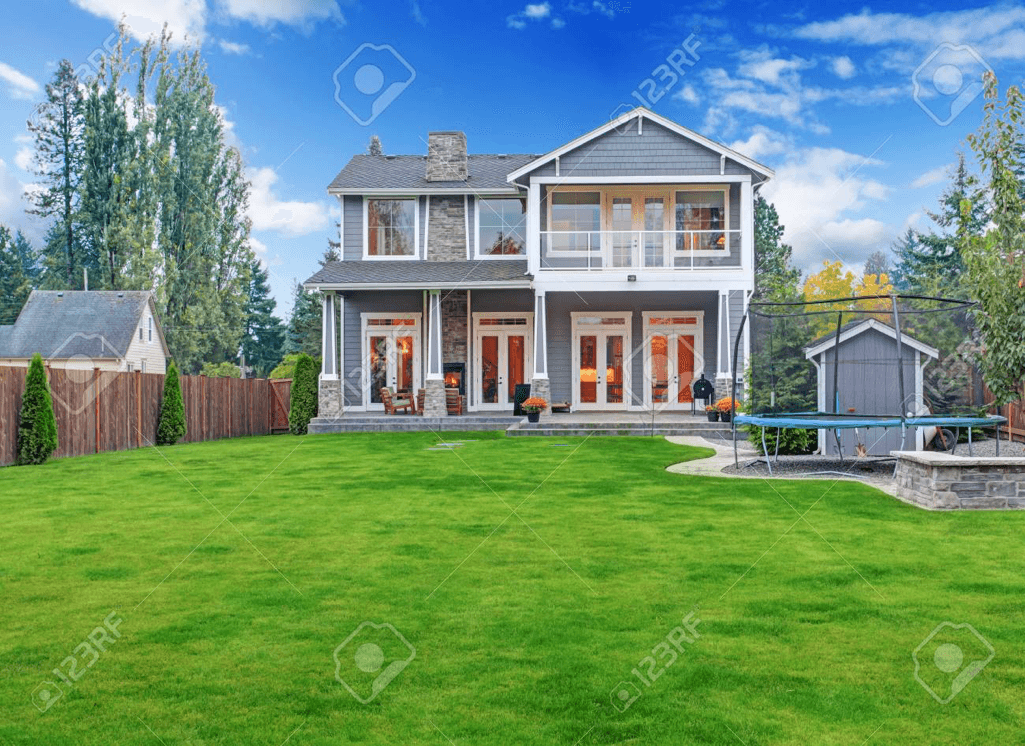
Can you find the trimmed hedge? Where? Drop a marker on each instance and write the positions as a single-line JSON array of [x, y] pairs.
[[172, 425], [37, 425], [303, 406]]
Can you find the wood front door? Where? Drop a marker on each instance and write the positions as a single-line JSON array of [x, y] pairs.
[[502, 358], [601, 352]]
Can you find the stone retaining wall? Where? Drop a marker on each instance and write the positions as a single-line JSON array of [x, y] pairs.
[[939, 481]]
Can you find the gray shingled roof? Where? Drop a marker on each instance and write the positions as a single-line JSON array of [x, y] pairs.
[[423, 274], [369, 172], [65, 324]]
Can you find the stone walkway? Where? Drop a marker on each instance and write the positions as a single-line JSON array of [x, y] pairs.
[[714, 466]]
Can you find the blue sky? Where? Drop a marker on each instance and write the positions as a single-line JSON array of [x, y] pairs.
[[824, 94]]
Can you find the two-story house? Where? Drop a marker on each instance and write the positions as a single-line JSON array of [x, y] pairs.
[[609, 273]]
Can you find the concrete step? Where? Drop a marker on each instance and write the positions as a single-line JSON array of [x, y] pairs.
[[399, 424], [573, 429]]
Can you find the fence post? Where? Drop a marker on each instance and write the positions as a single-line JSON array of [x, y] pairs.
[[138, 408], [96, 396]]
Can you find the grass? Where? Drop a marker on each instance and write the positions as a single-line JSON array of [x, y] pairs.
[[523, 623]]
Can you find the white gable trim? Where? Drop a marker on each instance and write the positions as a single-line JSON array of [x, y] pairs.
[[640, 112], [863, 327]]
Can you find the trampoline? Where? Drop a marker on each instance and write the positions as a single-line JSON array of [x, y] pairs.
[[859, 351]]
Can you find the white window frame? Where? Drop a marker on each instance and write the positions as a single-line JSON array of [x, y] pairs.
[[725, 189], [415, 199], [479, 330], [696, 330], [476, 217]]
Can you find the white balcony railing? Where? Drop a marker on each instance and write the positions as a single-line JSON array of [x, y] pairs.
[[648, 250]]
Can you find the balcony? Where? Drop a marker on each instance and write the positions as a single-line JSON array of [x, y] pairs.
[[669, 251]]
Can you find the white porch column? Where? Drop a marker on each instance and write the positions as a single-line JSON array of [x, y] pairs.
[[724, 348], [434, 384], [540, 385], [329, 394], [534, 228]]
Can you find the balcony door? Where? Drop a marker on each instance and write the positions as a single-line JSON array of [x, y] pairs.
[[637, 221], [673, 358], [601, 361], [391, 356], [503, 345]]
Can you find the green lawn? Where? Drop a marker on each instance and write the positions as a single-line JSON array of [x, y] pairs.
[[523, 624]]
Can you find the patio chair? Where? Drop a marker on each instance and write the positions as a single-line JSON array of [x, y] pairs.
[[392, 403], [454, 402], [421, 394]]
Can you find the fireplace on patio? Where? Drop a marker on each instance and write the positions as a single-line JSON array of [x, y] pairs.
[[455, 377]]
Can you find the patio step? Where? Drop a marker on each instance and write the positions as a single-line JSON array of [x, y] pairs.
[[552, 427], [408, 424]]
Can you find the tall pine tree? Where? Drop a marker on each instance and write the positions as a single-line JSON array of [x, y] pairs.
[[775, 278], [304, 324], [59, 134], [15, 285], [263, 341]]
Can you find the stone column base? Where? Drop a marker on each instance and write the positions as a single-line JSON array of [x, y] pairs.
[[542, 387], [329, 398], [723, 386], [435, 404]]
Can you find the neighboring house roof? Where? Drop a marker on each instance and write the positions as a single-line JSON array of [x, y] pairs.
[[826, 342], [60, 325], [637, 113], [408, 173], [414, 274]]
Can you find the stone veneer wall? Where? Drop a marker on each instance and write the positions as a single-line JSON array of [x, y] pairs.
[[446, 233], [940, 481], [453, 326]]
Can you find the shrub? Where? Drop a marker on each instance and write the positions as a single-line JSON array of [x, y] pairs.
[[221, 370], [37, 426], [792, 442], [303, 405], [286, 368], [172, 426]]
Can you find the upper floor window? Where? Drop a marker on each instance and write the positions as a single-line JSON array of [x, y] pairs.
[[150, 323], [576, 211], [701, 216], [391, 227], [502, 226]]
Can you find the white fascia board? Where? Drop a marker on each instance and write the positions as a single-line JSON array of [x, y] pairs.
[[468, 189], [640, 111], [420, 285], [678, 179], [555, 281]]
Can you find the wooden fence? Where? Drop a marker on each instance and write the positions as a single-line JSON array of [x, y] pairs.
[[107, 411]]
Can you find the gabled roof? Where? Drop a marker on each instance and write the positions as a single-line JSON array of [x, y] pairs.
[[408, 174], [59, 325], [422, 275], [637, 113], [826, 342]]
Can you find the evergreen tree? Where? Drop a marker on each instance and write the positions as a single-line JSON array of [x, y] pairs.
[[374, 147], [37, 426], [303, 404], [172, 425], [930, 263], [264, 338], [304, 324], [775, 278], [59, 133], [15, 286], [878, 263]]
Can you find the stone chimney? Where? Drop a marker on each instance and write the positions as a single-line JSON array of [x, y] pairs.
[[446, 156]]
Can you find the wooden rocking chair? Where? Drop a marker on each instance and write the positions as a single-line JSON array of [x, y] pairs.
[[392, 403]]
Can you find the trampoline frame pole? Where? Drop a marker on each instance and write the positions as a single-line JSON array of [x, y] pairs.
[[765, 450]]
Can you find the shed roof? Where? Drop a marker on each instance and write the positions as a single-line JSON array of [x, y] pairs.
[[827, 342], [60, 325]]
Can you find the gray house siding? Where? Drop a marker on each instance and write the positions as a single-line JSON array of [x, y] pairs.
[[868, 384], [657, 151], [352, 228], [356, 304], [736, 303], [560, 331]]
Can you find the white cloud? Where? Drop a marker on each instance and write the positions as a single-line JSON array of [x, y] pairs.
[[231, 47], [23, 159], [291, 12], [763, 142], [269, 213], [935, 176], [20, 84], [533, 12], [145, 18], [764, 66], [843, 67], [605, 10], [418, 14], [996, 30], [688, 95], [819, 193]]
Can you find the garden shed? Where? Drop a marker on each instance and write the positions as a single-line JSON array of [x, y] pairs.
[[858, 374]]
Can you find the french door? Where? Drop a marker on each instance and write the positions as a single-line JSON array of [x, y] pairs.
[[503, 344], [637, 224], [391, 356], [601, 352], [673, 359]]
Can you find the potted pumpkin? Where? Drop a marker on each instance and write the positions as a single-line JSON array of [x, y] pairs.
[[712, 412], [534, 406]]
